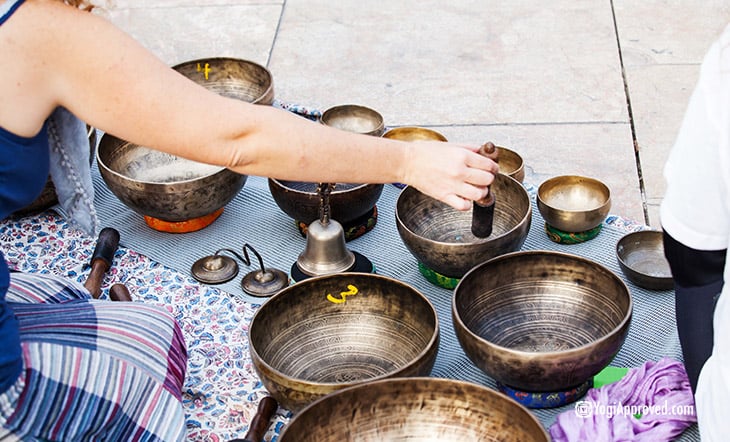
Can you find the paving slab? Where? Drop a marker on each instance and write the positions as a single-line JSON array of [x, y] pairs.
[[468, 62]]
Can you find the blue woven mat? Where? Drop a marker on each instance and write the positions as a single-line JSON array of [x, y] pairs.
[[253, 217]]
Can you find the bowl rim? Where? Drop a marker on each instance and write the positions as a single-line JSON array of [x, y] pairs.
[[622, 262], [432, 342], [541, 200], [423, 381], [356, 186], [519, 157], [526, 218], [625, 321], [440, 137], [341, 107], [264, 69], [127, 178]]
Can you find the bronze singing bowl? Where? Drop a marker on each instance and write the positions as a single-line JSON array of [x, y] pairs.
[[541, 321], [573, 203], [417, 410], [354, 118], [335, 331], [300, 200], [511, 163], [231, 77], [641, 258], [413, 133], [440, 236], [164, 186]]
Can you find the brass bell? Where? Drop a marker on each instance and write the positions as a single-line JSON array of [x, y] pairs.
[[325, 252]]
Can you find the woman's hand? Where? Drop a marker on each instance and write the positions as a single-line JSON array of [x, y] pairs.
[[452, 173]]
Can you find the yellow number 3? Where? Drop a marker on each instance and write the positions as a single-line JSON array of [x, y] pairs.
[[351, 290]]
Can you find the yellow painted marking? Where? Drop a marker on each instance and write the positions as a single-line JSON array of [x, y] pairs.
[[351, 290], [205, 69]]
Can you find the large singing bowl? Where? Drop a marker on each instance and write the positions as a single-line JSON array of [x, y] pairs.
[[440, 236], [336, 331], [348, 202], [164, 186], [541, 321], [415, 410], [231, 77]]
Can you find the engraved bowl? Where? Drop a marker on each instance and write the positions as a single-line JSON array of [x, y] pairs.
[[440, 236], [416, 410], [231, 77], [541, 321], [331, 332]]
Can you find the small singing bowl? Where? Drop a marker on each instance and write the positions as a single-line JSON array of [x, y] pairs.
[[335, 331], [163, 186], [541, 321], [231, 77], [641, 258], [417, 410], [440, 237], [573, 203], [511, 163], [348, 202], [413, 133], [354, 118]]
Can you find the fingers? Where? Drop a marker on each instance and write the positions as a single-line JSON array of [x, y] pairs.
[[457, 202]]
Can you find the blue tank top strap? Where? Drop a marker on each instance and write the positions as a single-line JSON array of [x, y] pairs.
[[7, 8]]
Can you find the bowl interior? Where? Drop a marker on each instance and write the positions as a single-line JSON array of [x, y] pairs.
[[574, 193], [540, 321], [511, 163], [354, 118], [414, 133], [641, 257], [147, 165], [344, 328], [415, 409], [231, 77], [542, 302]]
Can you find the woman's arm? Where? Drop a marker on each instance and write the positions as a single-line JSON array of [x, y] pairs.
[[109, 80]]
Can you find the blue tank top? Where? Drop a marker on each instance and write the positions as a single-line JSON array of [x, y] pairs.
[[23, 174]]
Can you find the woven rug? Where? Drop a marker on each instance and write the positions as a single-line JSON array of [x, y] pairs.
[[222, 390]]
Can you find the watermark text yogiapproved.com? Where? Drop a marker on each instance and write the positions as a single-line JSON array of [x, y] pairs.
[[586, 409]]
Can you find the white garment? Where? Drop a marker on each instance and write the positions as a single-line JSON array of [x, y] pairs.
[[696, 212]]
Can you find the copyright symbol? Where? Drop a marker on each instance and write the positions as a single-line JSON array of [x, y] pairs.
[[583, 409]]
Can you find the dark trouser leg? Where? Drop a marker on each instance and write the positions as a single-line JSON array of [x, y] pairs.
[[698, 280]]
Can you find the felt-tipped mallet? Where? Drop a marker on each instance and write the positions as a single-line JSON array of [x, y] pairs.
[[482, 219], [101, 259]]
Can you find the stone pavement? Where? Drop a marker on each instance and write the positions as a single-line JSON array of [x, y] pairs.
[[587, 87]]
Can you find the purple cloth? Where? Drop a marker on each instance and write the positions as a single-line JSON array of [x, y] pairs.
[[659, 391]]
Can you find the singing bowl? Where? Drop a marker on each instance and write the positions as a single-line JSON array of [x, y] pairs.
[[417, 410], [413, 133], [354, 118], [161, 185], [348, 201], [440, 236], [641, 258], [573, 203], [541, 321], [511, 163], [231, 77], [331, 332]]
